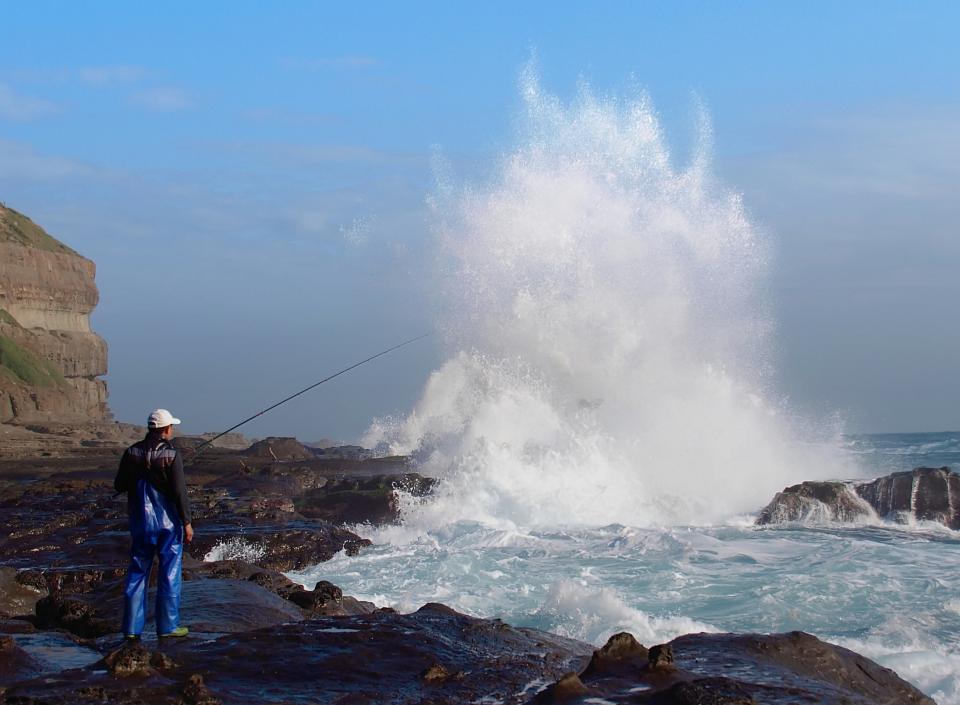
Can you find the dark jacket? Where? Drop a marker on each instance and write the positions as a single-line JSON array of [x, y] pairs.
[[159, 463]]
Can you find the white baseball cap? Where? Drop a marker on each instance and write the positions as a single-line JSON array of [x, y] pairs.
[[161, 418]]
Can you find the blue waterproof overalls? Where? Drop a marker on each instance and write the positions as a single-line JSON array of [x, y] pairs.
[[157, 518], [155, 529]]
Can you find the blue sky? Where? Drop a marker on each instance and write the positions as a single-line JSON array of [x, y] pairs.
[[251, 180]]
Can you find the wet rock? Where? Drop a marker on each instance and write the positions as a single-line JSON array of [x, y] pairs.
[[325, 599], [279, 448], [371, 500], [277, 548], [439, 674], [52, 523], [568, 687], [336, 660], [15, 663], [18, 625], [207, 605], [661, 656], [441, 656], [69, 580], [76, 615], [787, 668], [195, 692], [275, 582], [92, 692], [621, 654], [231, 569], [922, 494], [17, 598], [730, 669], [134, 659], [219, 606], [707, 691], [816, 502], [275, 480]]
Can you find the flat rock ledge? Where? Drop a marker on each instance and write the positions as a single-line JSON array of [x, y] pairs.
[[439, 656]]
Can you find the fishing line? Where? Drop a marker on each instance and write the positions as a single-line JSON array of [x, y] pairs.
[[307, 389]]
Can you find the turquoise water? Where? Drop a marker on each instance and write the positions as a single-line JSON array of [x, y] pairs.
[[890, 592]]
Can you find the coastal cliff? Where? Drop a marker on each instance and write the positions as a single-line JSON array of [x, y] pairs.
[[51, 361]]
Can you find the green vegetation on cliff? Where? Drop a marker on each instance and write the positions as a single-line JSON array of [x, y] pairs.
[[16, 227], [26, 367], [5, 317]]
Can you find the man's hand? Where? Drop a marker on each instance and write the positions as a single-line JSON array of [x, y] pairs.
[[188, 533]]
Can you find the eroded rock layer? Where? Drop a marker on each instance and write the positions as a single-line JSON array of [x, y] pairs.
[[50, 359]]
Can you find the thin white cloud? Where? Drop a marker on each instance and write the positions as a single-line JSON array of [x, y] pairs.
[[20, 162], [106, 75], [335, 62], [309, 221], [316, 154], [164, 100], [287, 117], [885, 154], [23, 108]]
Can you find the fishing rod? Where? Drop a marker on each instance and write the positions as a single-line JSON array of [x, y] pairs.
[[198, 448]]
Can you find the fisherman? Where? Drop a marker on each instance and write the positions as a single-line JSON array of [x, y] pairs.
[[151, 473]]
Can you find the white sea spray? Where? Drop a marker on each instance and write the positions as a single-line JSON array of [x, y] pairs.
[[236, 548], [609, 335]]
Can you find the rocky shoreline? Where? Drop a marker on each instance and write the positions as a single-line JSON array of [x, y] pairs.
[[258, 637]]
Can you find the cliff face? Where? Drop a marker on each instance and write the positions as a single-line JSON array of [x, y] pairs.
[[50, 359]]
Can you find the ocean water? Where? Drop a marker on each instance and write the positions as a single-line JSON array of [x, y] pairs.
[[607, 420], [890, 592]]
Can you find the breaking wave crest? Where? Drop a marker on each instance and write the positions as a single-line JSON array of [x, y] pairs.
[[609, 337]]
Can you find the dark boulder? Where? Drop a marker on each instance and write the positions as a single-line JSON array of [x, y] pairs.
[[327, 600], [134, 659], [568, 689], [816, 502], [279, 448], [661, 656], [323, 594], [791, 667], [195, 692], [734, 669], [622, 654], [922, 494]]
